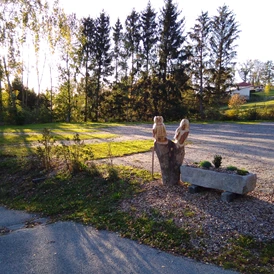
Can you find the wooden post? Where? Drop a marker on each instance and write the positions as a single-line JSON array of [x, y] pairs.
[[171, 158]]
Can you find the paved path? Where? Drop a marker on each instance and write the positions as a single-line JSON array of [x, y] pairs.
[[68, 247]]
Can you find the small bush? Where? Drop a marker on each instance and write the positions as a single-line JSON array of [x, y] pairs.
[[45, 149], [205, 164], [238, 171], [231, 114], [217, 161], [113, 174], [242, 172], [75, 154], [252, 114], [231, 168]]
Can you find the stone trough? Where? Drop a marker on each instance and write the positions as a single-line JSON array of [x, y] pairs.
[[231, 184]]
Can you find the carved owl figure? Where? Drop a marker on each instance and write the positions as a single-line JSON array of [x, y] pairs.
[[181, 133], [159, 130]]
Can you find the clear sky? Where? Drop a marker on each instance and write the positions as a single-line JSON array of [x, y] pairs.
[[255, 19]]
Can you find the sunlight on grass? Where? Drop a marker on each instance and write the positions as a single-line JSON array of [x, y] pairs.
[[73, 127], [265, 94], [100, 150], [258, 104], [13, 139]]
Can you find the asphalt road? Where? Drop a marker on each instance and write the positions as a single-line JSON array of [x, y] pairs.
[[68, 247]]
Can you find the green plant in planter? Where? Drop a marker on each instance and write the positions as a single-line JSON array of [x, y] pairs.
[[217, 161], [242, 172], [205, 164], [231, 168]]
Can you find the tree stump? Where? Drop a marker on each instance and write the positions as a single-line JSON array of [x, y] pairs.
[[170, 157]]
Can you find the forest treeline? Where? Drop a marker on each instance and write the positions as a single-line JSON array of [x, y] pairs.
[[148, 65]]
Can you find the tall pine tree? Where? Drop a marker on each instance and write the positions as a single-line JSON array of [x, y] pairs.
[[199, 36], [172, 56], [132, 41], [117, 51], [149, 36], [171, 38], [103, 57], [225, 31], [86, 57]]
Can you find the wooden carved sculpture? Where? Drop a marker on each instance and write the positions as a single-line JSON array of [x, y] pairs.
[[170, 154], [159, 130], [181, 133]]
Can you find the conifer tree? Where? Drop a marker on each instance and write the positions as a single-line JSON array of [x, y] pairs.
[[199, 36], [103, 56], [172, 77], [225, 31], [132, 41], [117, 51], [171, 38], [86, 56], [149, 36]]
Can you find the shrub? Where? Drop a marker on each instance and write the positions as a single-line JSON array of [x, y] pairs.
[[231, 114], [45, 149], [236, 101], [238, 171], [205, 164], [213, 114], [217, 161], [231, 168], [252, 114], [113, 174], [75, 154], [242, 172]]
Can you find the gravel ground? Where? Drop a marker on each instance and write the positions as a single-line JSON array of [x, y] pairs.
[[246, 146]]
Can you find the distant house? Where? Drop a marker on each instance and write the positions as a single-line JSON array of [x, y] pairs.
[[243, 89]]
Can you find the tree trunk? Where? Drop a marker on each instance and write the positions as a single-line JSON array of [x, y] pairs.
[[171, 158]]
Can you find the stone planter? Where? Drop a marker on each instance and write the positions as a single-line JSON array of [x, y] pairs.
[[231, 184]]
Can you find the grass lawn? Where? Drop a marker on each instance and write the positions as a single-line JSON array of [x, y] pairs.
[[23, 140], [264, 94], [63, 127], [262, 104]]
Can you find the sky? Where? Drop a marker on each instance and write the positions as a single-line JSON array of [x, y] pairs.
[[255, 19]]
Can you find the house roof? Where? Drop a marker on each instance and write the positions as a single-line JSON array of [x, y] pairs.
[[244, 84]]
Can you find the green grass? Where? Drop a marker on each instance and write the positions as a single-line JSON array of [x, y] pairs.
[[21, 141], [248, 256], [77, 127], [116, 149], [258, 104], [15, 139], [264, 94], [100, 150]]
